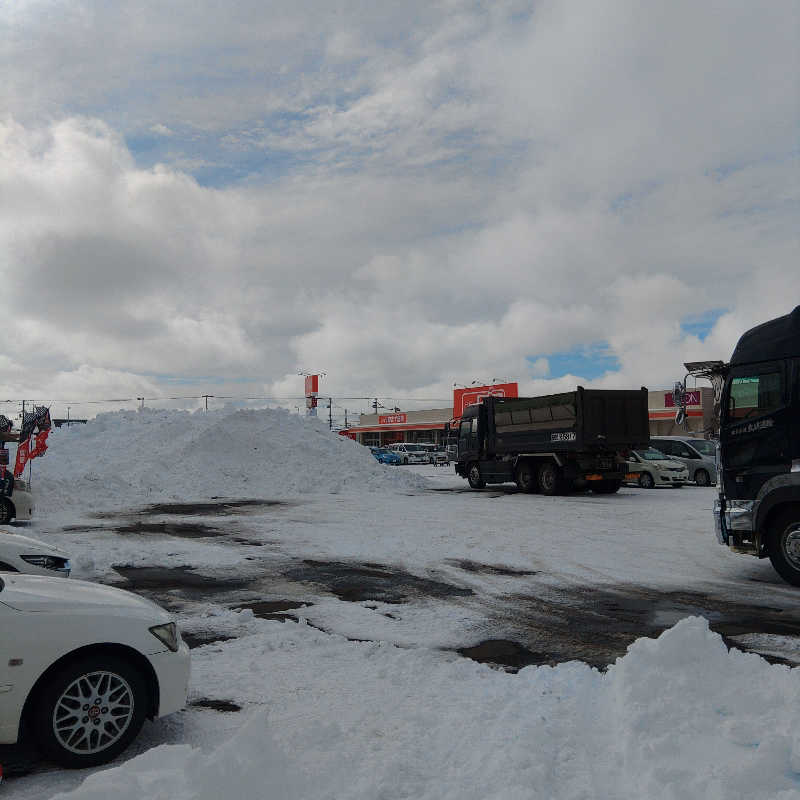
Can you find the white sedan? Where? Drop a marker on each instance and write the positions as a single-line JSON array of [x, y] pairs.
[[82, 665], [654, 468], [22, 554]]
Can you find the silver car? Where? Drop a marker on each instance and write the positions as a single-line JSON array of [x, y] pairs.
[[699, 456]]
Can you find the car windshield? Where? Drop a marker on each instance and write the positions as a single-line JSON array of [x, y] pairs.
[[704, 447], [414, 447], [651, 454]]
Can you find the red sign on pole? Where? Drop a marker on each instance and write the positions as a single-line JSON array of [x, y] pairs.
[[312, 384], [474, 394]]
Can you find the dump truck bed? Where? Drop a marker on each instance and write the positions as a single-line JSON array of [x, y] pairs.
[[585, 419]]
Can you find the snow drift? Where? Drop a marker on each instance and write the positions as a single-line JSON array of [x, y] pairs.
[[129, 457], [677, 717]]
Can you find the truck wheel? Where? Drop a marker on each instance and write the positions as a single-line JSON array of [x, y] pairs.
[[474, 476], [606, 487], [6, 513], [90, 711], [702, 478], [526, 477], [549, 479], [784, 544], [646, 480]]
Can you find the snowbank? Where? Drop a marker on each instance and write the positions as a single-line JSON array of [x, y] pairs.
[[129, 458], [678, 717]]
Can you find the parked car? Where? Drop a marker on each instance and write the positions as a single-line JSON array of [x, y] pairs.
[[410, 453], [655, 468], [699, 456], [21, 554], [436, 453], [18, 504], [82, 665], [386, 456]]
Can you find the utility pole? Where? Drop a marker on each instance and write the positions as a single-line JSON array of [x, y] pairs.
[[345, 418], [141, 407], [330, 413], [206, 396]]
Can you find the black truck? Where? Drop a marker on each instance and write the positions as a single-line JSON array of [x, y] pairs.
[[553, 443], [758, 401]]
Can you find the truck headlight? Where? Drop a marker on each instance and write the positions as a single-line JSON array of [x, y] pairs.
[[167, 634]]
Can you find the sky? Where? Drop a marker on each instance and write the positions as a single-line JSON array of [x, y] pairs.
[[209, 198]]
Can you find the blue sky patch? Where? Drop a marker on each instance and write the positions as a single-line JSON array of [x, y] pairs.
[[588, 361], [700, 325]]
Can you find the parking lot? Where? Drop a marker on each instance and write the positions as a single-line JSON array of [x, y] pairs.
[[495, 576]]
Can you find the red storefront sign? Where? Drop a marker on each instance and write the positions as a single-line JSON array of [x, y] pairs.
[[692, 399], [392, 419], [474, 394]]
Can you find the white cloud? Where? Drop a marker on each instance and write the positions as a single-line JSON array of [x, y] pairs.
[[423, 194]]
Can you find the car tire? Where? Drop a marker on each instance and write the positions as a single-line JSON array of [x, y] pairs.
[[702, 478], [98, 732], [784, 544], [526, 477], [474, 476], [608, 486], [549, 479], [6, 511], [646, 480]]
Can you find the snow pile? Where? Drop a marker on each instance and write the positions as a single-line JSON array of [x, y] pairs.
[[677, 717], [133, 457]]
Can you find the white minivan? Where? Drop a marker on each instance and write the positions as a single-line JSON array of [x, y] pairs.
[[411, 453]]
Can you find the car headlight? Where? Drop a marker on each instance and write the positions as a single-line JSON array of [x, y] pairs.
[[167, 634], [49, 562]]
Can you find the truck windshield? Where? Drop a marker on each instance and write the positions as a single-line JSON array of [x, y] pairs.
[[754, 395]]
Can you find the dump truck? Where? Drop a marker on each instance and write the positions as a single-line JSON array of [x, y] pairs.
[[554, 443]]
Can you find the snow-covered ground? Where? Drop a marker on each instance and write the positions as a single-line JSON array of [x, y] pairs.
[[334, 611]]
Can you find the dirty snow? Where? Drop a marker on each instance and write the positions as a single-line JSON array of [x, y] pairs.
[[402, 715]]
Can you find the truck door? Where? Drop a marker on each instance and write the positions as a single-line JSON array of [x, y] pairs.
[[755, 430], [468, 439]]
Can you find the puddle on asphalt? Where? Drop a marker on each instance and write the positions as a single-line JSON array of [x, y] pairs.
[[178, 578], [596, 625], [181, 530], [503, 653], [489, 569], [355, 582], [199, 639], [216, 705], [272, 609], [204, 508]]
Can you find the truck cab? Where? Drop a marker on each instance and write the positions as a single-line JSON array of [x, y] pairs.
[[758, 508]]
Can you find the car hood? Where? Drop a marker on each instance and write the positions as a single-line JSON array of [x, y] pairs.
[[14, 542], [43, 594], [665, 464]]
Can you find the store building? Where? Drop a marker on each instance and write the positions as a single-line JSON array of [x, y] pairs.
[[378, 430], [700, 417]]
